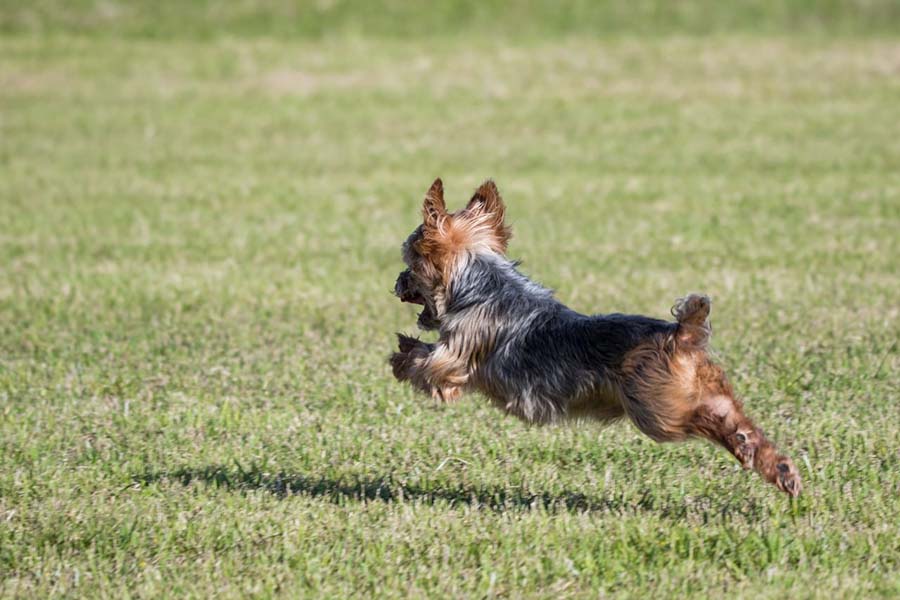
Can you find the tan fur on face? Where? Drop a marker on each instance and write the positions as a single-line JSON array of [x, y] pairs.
[[448, 238]]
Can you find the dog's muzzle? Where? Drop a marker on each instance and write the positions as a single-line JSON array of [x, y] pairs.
[[403, 289]]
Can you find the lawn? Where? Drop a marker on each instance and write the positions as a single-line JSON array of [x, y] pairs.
[[198, 235]]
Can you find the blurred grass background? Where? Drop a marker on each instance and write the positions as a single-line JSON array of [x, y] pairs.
[[398, 18], [201, 207]]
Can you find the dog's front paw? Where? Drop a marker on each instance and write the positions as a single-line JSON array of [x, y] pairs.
[[400, 365], [407, 343], [404, 362]]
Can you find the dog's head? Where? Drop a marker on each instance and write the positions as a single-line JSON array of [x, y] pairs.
[[440, 247]]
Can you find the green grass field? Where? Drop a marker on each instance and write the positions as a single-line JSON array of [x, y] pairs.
[[200, 225]]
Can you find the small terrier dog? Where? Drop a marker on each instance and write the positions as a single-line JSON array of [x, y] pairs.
[[509, 338]]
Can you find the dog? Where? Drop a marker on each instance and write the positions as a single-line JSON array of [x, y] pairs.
[[503, 335]]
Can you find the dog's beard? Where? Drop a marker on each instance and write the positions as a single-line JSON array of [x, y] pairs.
[[427, 320], [406, 291]]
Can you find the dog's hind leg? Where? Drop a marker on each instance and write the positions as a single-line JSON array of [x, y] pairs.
[[674, 394], [720, 418], [658, 393]]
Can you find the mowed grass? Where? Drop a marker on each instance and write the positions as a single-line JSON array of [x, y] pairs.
[[198, 239]]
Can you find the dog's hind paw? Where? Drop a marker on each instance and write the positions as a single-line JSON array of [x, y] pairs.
[[786, 478]]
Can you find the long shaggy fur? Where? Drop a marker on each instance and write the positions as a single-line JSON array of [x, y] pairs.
[[507, 337]]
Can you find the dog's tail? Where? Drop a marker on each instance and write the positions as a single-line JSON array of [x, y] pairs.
[[692, 315]]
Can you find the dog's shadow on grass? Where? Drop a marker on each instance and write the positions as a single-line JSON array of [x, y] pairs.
[[389, 490]]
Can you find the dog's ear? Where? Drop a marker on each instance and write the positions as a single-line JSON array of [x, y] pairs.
[[433, 209], [487, 206], [486, 200]]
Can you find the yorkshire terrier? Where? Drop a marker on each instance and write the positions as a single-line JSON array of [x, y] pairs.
[[509, 338]]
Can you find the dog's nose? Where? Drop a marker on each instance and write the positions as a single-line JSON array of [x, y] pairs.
[[402, 283]]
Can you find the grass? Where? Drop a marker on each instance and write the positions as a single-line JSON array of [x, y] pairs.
[[399, 19], [198, 238]]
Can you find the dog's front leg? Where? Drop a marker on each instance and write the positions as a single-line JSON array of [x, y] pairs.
[[431, 368], [406, 363]]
